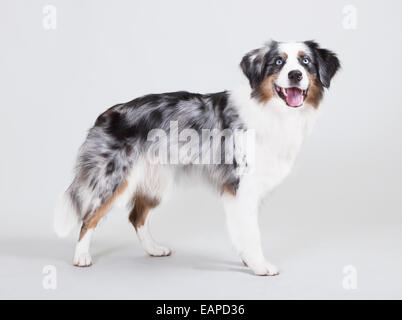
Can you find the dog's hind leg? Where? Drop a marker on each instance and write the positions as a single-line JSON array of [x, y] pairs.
[[140, 217], [82, 257]]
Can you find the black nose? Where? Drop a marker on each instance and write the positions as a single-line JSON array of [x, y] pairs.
[[295, 75]]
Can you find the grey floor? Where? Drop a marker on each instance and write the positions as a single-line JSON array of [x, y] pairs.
[[205, 268], [306, 238]]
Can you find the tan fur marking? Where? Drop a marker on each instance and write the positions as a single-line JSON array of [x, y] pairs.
[[99, 214], [142, 205], [301, 53], [227, 188], [315, 91], [266, 91]]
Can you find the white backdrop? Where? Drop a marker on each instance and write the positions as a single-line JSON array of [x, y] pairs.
[[341, 206]]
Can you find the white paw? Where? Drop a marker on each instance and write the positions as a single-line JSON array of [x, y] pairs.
[[83, 260], [273, 270], [159, 251], [265, 269]]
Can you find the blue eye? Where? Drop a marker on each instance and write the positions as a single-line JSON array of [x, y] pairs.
[[306, 60], [278, 62]]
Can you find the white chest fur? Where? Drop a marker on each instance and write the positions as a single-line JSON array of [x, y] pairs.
[[279, 133]]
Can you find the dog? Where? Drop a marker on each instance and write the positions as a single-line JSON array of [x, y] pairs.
[[115, 165]]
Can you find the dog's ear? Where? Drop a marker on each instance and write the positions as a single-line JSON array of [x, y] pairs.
[[326, 61], [253, 65]]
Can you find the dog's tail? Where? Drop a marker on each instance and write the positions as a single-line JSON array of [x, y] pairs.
[[66, 216], [100, 171]]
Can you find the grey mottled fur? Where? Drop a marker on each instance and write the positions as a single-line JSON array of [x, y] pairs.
[[119, 139]]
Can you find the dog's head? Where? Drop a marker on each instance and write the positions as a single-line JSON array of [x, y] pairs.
[[294, 73]]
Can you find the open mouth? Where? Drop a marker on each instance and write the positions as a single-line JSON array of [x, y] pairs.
[[293, 97]]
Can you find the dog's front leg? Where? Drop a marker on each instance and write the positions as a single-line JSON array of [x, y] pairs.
[[242, 222]]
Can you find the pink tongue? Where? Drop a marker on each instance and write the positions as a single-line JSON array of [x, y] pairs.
[[295, 97]]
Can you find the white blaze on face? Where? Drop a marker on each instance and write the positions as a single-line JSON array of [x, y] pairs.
[[292, 50]]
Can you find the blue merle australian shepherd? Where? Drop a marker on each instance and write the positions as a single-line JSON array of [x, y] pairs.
[[134, 151]]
